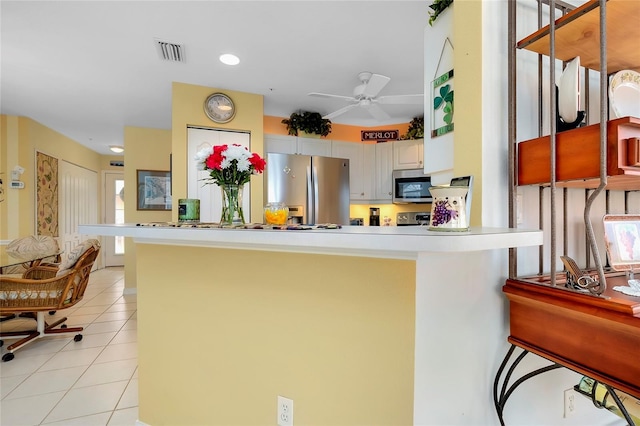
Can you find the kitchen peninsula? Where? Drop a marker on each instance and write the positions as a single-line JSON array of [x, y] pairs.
[[359, 325]]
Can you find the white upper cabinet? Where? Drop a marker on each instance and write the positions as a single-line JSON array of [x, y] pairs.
[[408, 154], [280, 144], [361, 164], [310, 146], [297, 145], [383, 170]]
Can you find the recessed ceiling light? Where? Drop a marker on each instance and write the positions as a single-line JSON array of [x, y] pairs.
[[229, 59], [116, 148]]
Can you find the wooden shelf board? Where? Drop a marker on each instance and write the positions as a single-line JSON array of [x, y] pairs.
[[582, 37], [575, 330], [578, 157]]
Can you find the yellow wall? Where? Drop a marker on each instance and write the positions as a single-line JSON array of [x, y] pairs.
[[145, 149], [21, 137], [333, 333], [467, 35], [187, 110]]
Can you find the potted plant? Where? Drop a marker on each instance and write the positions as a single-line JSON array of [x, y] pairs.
[[416, 129], [308, 122], [438, 7]]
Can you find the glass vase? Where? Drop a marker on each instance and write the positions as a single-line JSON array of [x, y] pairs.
[[232, 213]]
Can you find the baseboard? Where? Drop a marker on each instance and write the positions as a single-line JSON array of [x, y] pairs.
[[129, 290], [139, 423]]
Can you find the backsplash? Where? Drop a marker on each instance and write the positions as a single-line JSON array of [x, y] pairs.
[[388, 210]]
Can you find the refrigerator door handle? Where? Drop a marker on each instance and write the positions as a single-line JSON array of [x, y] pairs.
[[311, 195], [315, 194]]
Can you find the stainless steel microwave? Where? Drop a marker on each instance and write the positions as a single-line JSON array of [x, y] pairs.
[[411, 186]]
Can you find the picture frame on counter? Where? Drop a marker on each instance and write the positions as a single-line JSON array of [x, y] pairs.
[[154, 189]]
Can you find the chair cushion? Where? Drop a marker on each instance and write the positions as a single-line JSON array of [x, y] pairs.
[[76, 254], [32, 244]]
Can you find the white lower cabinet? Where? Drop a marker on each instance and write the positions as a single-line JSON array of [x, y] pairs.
[[408, 154], [361, 165]]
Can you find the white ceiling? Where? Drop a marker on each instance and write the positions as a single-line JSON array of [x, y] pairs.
[[88, 68]]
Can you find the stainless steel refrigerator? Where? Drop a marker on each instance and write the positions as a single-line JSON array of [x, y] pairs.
[[316, 189]]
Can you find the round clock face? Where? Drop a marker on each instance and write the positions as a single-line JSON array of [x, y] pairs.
[[220, 108]]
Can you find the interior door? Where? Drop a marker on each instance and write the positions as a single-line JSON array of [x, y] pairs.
[[113, 247], [78, 188], [209, 195]]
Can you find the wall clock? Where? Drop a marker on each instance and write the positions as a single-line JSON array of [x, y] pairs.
[[219, 108]]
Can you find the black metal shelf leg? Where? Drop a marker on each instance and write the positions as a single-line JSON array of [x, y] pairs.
[[506, 390]]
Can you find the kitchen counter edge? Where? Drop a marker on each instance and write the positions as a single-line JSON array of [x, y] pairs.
[[385, 242]]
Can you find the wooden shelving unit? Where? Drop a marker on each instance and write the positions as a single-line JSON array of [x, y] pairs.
[[578, 151], [594, 335]]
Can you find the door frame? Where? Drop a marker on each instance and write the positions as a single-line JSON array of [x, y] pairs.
[[107, 203]]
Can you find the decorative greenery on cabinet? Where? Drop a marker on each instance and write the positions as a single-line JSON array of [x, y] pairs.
[[416, 129], [309, 122], [438, 7]]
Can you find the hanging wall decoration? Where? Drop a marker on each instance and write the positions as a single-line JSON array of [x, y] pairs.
[[47, 194], [442, 101]]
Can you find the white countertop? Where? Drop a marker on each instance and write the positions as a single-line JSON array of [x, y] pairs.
[[385, 241]]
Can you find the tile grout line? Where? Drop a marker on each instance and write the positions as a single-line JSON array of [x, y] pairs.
[[88, 366]]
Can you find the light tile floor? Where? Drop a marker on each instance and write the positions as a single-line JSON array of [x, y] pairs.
[[56, 381]]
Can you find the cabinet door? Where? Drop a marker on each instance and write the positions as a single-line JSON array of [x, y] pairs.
[[408, 154], [354, 151], [309, 146], [383, 170], [280, 143]]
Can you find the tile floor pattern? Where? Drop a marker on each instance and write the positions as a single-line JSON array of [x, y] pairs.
[[56, 381]]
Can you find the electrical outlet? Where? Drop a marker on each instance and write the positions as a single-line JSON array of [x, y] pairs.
[[569, 402], [285, 411]]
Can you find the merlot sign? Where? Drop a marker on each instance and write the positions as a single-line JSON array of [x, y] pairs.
[[380, 135]]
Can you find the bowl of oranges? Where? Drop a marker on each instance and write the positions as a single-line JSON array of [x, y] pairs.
[[276, 214]]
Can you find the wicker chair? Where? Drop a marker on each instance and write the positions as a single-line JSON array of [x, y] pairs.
[[46, 288]]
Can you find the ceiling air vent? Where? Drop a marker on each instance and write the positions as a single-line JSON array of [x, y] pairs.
[[168, 51]]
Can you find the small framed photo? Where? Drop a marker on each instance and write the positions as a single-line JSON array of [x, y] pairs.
[[154, 190], [622, 236]]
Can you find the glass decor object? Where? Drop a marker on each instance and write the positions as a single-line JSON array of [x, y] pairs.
[[232, 213], [276, 214]]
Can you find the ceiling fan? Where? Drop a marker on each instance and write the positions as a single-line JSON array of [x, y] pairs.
[[365, 96]]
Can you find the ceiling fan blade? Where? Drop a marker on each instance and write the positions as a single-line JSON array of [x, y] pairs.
[[326, 95], [402, 99], [377, 112], [340, 111], [375, 85]]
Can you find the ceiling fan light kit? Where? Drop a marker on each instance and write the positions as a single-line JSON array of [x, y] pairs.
[[365, 96]]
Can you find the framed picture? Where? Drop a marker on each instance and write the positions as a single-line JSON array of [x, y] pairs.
[[154, 190], [622, 237]]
